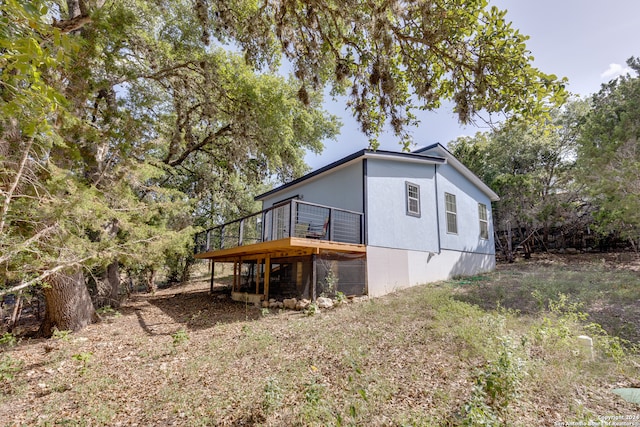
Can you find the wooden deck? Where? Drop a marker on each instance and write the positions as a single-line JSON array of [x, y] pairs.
[[262, 253], [289, 246]]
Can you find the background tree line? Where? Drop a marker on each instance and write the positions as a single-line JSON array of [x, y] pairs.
[[125, 126], [576, 172]]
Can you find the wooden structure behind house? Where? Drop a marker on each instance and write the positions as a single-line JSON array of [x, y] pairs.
[[368, 224]]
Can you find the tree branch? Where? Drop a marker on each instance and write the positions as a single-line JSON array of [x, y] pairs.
[[14, 185], [26, 243], [210, 138], [42, 276], [73, 24]]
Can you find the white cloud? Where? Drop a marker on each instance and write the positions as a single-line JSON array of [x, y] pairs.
[[615, 70]]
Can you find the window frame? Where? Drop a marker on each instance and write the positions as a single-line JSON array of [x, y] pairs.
[[482, 209], [409, 199], [451, 213]]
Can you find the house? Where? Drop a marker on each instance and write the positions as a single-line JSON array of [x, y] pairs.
[[368, 224]]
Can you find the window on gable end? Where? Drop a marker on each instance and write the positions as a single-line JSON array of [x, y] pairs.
[[413, 199], [452, 213]]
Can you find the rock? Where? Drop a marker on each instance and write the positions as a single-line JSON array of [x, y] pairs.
[[272, 300], [324, 302], [302, 304], [290, 303], [265, 304], [222, 296], [572, 251]]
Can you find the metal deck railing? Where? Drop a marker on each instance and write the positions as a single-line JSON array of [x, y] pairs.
[[293, 218]]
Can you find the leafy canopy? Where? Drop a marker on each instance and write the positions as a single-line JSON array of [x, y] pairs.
[[391, 57], [609, 154]]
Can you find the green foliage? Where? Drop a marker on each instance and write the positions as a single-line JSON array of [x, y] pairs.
[[313, 393], [8, 340], [531, 167], [611, 346], [609, 156], [563, 322], [107, 310], [273, 395], [179, 338], [8, 367], [496, 387], [341, 298], [61, 335], [393, 58], [139, 148], [312, 309], [84, 359]]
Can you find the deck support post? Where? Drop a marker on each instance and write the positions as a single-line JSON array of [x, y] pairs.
[[314, 276], [234, 288], [213, 270], [267, 272], [255, 275]]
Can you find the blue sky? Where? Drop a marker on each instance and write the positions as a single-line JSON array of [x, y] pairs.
[[587, 41]]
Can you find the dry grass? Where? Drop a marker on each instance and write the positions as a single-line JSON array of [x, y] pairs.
[[182, 357]]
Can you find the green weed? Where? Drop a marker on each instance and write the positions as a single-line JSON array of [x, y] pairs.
[[63, 335], [179, 338], [496, 387], [272, 398], [107, 310], [8, 368], [312, 310], [84, 359], [8, 340]]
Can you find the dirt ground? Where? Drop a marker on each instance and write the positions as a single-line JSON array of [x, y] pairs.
[[152, 322]]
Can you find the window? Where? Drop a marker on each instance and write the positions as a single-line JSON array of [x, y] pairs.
[[450, 208], [484, 222], [413, 199]]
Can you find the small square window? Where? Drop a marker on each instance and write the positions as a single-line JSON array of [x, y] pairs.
[[413, 199], [452, 214]]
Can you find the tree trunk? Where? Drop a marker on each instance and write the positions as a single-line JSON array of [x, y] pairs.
[[186, 271], [509, 245], [68, 304], [17, 308], [152, 287], [108, 286]]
